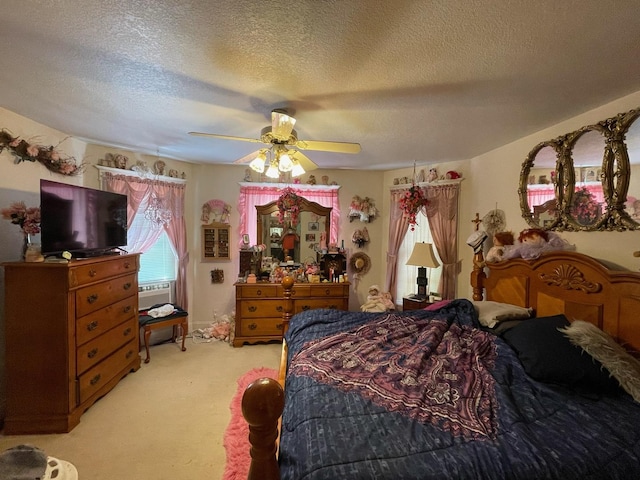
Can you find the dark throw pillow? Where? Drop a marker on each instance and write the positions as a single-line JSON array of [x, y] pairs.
[[548, 356]]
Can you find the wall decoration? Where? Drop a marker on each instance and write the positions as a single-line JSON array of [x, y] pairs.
[[310, 237], [53, 160], [362, 209], [215, 211], [217, 276], [313, 226]]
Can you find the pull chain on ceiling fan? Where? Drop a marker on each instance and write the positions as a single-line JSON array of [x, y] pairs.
[[283, 154]]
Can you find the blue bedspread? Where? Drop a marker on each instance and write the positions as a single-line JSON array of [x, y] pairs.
[[428, 395]]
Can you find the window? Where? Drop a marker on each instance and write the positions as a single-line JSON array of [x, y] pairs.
[[406, 274], [158, 263]]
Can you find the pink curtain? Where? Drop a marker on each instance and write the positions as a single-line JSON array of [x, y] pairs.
[[253, 195], [442, 212], [398, 225], [139, 192]]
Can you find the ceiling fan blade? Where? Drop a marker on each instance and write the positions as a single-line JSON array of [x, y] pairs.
[[225, 137], [248, 158], [340, 147], [281, 125], [305, 161]]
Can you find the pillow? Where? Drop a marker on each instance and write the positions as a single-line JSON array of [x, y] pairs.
[[548, 356], [490, 313], [622, 366]]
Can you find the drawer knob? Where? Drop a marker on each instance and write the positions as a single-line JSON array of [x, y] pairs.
[[306, 307], [92, 298], [92, 326], [279, 326], [95, 379], [327, 291], [127, 309], [92, 353], [252, 326], [252, 308], [279, 308], [92, 273], [127, 265], [258, 292], [127, 286], [126, 332], [129, 353]]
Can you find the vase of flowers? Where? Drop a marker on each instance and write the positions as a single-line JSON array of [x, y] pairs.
[[28, 218], [585, 208], [411, 203]]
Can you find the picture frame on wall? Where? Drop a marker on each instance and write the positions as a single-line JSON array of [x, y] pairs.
[[313, 226], [310, 237]]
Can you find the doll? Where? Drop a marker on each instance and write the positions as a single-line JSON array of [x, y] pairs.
[[533, 242], [377, 301], [501, 240]]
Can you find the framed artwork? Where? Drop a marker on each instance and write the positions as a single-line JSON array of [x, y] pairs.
[[313, 226], [310, 237]]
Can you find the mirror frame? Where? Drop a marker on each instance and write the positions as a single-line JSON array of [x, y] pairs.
[[305, 206], [616, 171]]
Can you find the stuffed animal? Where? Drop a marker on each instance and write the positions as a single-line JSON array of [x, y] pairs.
[[433, 175], [501, 240]]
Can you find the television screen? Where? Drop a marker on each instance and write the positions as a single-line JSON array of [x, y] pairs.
[[81, 220]]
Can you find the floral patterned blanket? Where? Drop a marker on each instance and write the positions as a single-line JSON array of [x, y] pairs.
[[430, 395]]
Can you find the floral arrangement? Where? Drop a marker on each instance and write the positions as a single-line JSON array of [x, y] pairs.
[[289, 204], [27, 217], [47, 156], [585, 208], [411, 203]]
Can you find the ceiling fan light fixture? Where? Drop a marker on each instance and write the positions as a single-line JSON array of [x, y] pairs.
[[272, 171], [284, 162], [297, 169], [257, 164]]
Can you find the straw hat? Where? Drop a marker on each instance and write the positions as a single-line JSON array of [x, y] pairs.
[[360, 263]]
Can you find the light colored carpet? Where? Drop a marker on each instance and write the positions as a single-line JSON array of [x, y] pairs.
[[164, 422]]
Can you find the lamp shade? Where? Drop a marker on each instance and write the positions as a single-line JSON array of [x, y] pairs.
[[423, 256]]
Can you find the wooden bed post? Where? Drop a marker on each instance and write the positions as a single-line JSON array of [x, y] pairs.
[[478, 276], [262, 405], [287, 284]]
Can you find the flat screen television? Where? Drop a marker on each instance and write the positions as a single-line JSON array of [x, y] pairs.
[[81, 220]]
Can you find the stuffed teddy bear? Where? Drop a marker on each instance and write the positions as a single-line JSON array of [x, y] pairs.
[[433, 175], [501, 240]]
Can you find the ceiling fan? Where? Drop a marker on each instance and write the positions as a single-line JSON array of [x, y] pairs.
[[283, 153]]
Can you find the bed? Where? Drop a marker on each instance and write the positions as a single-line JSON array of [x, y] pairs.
[[438, 394]]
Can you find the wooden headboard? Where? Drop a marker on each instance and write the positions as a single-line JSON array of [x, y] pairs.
[[579, 286]]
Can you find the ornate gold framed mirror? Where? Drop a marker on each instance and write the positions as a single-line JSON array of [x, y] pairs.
[[584, 181]]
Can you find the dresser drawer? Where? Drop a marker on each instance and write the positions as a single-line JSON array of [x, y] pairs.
[[95, 272], [261, 308], [94, 297], [256, 291], [253, 327], [305, 304], [95, 378], [329, 290], [97, 349], [95, 324]]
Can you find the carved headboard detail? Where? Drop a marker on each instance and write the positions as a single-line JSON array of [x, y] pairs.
[[574, 284]]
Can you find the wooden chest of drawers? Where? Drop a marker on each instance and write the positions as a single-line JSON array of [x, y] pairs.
[[71, 335], [259, 307]]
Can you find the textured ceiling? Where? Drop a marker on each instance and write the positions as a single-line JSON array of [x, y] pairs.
[[430, 81]]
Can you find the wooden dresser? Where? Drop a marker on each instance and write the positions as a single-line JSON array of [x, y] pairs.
[[71, 335], [259, 307]]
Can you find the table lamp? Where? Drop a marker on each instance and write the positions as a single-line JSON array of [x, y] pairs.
[[422, 257]]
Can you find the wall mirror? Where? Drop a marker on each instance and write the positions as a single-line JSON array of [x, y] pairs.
[[585, 180], [301, 241]]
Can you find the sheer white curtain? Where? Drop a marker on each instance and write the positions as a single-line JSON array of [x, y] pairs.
[[406, 274]]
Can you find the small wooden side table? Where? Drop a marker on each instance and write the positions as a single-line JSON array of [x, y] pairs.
[[409, 303]]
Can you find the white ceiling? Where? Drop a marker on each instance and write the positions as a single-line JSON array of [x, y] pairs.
[[430, 81]]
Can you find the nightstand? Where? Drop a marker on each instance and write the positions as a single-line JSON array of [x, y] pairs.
[[414, 304]]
